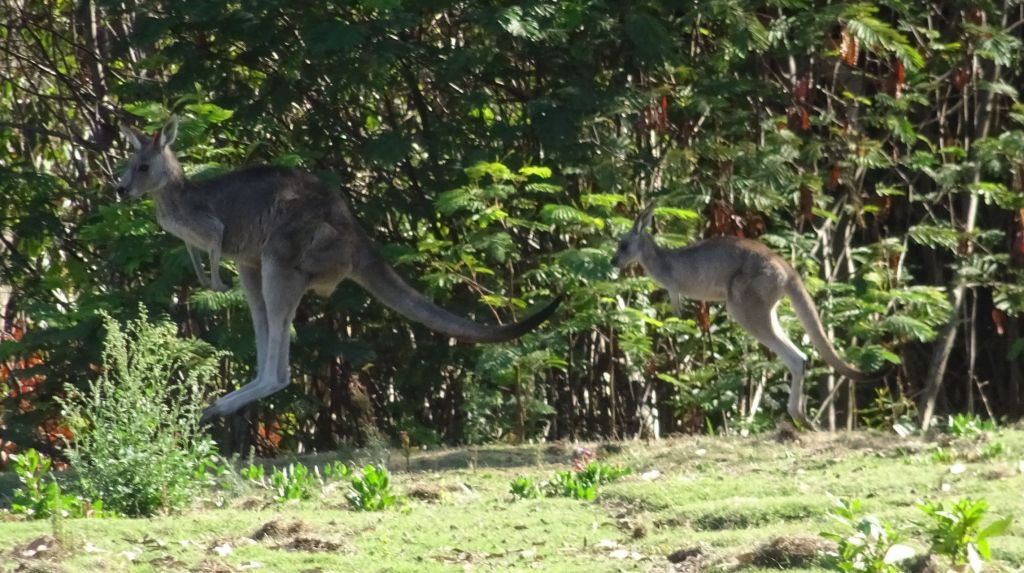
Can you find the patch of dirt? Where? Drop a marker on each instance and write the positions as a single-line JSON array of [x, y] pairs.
[[426, 493], [311, 545], [45, 547], [751, 516], [253, 504], [278, 528], [210, 566], [689, 559], [37, 567], [788, 552]]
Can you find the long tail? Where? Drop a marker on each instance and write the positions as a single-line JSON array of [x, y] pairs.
[[376, 276], [805, 310]]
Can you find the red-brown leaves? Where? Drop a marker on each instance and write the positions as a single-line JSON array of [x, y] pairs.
[[897, 80], [849, 48], [703, 317], [799, 112], [998, 318]]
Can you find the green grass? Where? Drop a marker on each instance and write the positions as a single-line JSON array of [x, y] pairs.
[[732, 495]]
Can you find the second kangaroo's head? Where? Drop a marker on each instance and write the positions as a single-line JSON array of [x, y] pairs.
[[631, 244], [153, 166]]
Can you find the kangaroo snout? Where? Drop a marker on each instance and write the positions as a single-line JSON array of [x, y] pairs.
[[121, 191]]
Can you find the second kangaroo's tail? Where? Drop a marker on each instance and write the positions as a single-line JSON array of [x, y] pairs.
[[380, 279], [805, 310]]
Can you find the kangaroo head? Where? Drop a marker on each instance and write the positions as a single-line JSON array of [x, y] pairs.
[[153, 166], [631, 245]]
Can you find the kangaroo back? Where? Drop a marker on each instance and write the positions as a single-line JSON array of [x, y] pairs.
[[380, 279], [805, 310]]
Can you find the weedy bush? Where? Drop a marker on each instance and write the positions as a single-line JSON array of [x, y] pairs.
[[522, 487], [371, 491], [582, 483], [137, 441], [865, 544], [296, 482], [993, 450], [41, 497], [956, 532], [968, 425]]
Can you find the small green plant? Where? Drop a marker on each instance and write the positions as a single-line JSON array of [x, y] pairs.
[[956, 531], [993, 450], [337, 471], [296, 482], [41, 497], [941, 455], [523, 487], [293, 483], [138, 445], [887, 412], [566, 484], [865, 544], [371, 491], [583, 482], [254, 472], [968, 425]]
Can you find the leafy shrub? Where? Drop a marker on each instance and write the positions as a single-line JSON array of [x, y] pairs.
[[968, 425], [956, 532], [941, 455], [41, 498], [293, 483], [371, 491], [523, 487], [865, 544], [993, 450], [296, 482], [137, 441], [582, 484]]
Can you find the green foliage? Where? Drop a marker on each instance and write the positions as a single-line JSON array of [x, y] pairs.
[[371, 489], [956, 531], [568, 484], [41, 497], [296, 482], [887, 411], [583, 483], [865, 543], [523, 487], [496, 159], [138, 445], [968, 425]]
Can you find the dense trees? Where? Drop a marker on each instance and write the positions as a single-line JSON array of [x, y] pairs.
[[495, 150]]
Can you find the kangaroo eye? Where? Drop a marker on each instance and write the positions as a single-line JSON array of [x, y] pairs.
[[144, 168]]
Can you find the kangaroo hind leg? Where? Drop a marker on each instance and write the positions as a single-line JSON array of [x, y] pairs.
[[282, 289], [760, 318]]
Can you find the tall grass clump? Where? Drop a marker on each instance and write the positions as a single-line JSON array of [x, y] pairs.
[[137, 444]]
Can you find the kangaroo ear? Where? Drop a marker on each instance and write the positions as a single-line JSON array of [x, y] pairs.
[[168, 132], [132, 136], [646, 218]]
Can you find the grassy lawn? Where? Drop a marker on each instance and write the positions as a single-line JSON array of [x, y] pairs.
[[727, 496]]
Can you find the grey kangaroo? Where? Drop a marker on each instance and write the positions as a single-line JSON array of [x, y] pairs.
[[751, 279], [287, 233]]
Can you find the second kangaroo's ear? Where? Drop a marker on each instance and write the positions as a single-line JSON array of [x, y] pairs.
[[168, 132], [645, 219], [132, 136]]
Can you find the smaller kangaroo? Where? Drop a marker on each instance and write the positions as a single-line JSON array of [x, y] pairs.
[[288, 233], [751, 279]]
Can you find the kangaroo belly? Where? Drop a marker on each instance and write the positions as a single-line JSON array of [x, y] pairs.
[[703, 291]]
